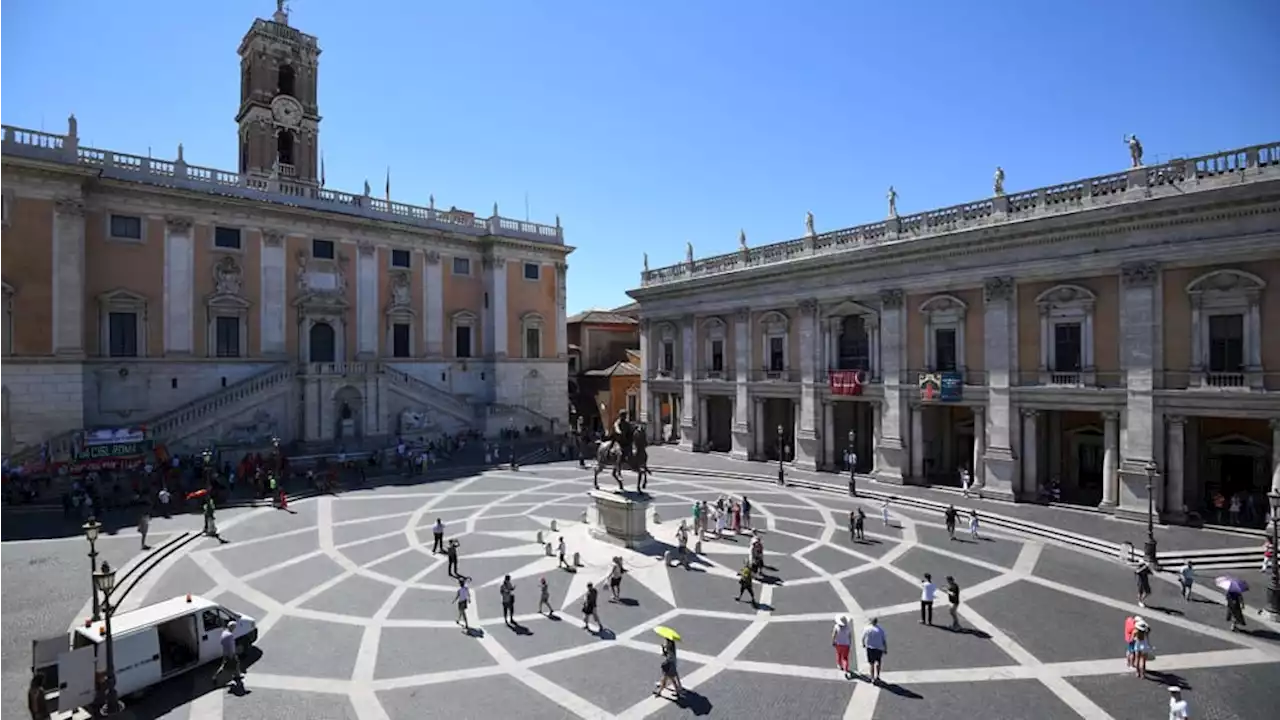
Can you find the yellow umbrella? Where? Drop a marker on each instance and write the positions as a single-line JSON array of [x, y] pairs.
[[665, 632]]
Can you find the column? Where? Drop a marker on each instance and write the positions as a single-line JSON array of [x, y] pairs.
[[68, 278], [1139, 310], [179, 287], [829, 452], [367, 325], [646, 412], [562, 336], [999, 331], [433, 320], [1110, 459], [495, 272], [704, 432], [758, 431], [687, 404], [807, 444], [891, 457], [1275, 455], [1175, 469], [917, 443], [1030, 485], [741, 375], [979, 445], [272, 309]]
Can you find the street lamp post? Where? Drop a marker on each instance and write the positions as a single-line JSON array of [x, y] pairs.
[[853, 466], [105, 581], [1149, 549], [511, 422], [782, 476], [91, 530], [1273, 587]]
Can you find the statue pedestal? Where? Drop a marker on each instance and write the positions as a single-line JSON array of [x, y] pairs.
[[348, 429], [620, 519]]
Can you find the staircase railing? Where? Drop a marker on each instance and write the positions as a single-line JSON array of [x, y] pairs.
[[446, 400], [163, 427], [60, 446]]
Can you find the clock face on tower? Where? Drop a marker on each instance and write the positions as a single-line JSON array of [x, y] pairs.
[[286, 111]]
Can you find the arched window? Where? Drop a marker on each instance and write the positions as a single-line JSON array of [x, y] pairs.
[[284, 147], [323, 343], [775, 345], [715, 333], [944, 333], [1066, 335], [853, 349], [286, 80], [1226, 328]]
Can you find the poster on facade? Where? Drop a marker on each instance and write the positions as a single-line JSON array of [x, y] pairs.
[[845, 382], [930, 386], [952, 387]]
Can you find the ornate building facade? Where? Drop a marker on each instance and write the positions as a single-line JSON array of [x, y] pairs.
[[208, 305], [1084, 336]]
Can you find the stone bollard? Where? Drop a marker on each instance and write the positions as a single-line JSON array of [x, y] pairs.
[[697, 547], [656, 520], [539, 537], [584, 516], [553, 526], [666, 557], [577, 560], [549, 552]]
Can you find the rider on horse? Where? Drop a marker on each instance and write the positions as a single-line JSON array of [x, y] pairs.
[[623, 436]]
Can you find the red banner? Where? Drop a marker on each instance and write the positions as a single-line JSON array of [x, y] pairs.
[[846, 382]]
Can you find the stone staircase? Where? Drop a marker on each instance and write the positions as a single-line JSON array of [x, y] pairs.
[[183, 422], [428, 394], [500, 416]]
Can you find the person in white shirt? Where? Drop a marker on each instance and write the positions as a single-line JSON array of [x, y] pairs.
[[1178, 709], [927, 591], [884, 513], [876, 645], [463, 598], [437, 537], [841, 639], [1187, 578]]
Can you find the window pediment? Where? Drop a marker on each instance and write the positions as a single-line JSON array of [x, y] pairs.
[[944, 304], [228, 302], [463, 317], [849, 307], [121, 298], [667, 332], [774, 323], [714, 328], [532, 319], [1231, 286], [1066, 296]]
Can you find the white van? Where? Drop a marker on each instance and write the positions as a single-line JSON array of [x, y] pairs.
[[151, 644]]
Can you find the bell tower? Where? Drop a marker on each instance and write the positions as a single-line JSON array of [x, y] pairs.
[[279, 119]]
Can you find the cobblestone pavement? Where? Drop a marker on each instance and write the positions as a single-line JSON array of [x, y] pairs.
[[357, 618], [1081, 521]]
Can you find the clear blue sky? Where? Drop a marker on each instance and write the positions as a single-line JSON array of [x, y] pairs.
[[646, 124]]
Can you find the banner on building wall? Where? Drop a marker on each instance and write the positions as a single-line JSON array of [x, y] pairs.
[[941, 387], [846, 382]]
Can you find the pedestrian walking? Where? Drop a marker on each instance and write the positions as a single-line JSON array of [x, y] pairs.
[[1129, 623], [746, 512], [973, 524], [697, 519], [953, 600], [853, 525], [949, 517], [463, 598], [841, 639], [1143, 575], [589, 610], [544, 597], [1141, 646], [508, 592], [859, 523], [230, 655], [927, 592], [563, 563], [437, 535], [615, 579], [452, 554], [163, 496], [1187, 579], [1178, 709], [144, 524], [670, 670], [876, 646], [682, 545], [745, 585], [884, 512]]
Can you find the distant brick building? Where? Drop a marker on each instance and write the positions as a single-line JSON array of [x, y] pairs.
[[604, 364]]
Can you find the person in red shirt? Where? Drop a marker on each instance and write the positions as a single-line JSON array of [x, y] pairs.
[[1129, 625]]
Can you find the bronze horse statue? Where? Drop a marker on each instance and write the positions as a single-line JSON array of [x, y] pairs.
[[610, 455]]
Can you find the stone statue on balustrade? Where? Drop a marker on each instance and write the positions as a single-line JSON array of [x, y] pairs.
[[73, 126], [808, 224], [688, 252], [893, 202], [227, 278], [999, 181], [366, 188], [1135, 149], [646, 262], [742, 240]]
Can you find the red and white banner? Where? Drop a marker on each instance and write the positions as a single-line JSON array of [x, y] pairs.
[[846, 382]]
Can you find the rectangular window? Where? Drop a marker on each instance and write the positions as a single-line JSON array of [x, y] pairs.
[[633, 401], [400, 258], [944, 350], [461, 266], [717, 356], [462, 341], [532, 271], [123, 334], [322, 249], [226, 332], [400, 340], [853, 349], [777, 353], [128, 227], [1067, 347], [1226, 343], [533, 342], [227, 238], [668, 356]]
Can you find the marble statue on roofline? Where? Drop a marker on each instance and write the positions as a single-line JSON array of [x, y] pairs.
[[808, 224], [1135, 149], [688, 252], [999, 181], [646, 262], [893, 202]]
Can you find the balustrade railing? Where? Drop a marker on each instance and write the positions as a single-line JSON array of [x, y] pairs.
[[443, 398], [282, 187], [164, 427], [1176, 176]]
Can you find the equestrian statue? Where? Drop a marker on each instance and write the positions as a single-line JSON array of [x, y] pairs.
[[626, 447]]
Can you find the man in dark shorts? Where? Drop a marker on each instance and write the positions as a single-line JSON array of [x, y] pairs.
[[877, 646], [949, 517], [953, 597], [508, 601], [589, 609], [744, 584], [1143, 575]]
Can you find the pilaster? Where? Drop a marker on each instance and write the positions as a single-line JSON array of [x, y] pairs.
[[433, 322], [495, 275], [1175, 464], [646, 411], [562, 338], [1139, 308], [741, 375], [1275, 455], [689, 400], [179, 287], [367, 302], [68, 277], [1029, 482], [891, 458], [274, 300], [808, 450], [999, 470]]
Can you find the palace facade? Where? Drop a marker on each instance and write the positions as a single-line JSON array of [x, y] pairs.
[[1089, 335], [218, 306]]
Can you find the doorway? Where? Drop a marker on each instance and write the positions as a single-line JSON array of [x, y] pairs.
[[948, 443], [858, 418], [719, 424]]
